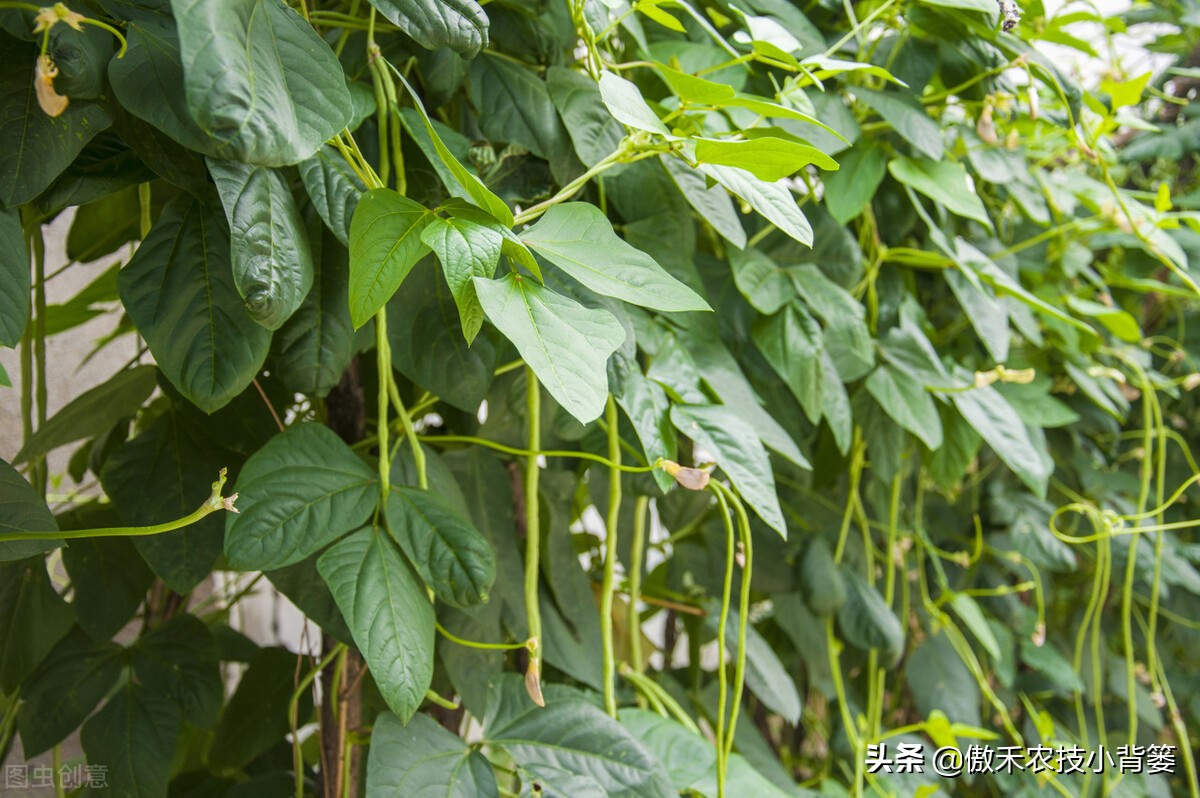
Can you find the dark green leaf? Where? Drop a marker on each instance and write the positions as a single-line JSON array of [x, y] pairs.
[[259, 80], [179, 291], [421, 758], [773, 200], [133, 737], [821, 583], [178, 660], [565, 343], [92, 412], [451, 555], [460, 25], [64, 690], [593, 130], [256, 716], [908, 118], [849, 190], [514, 106], [466, 249], [110, 580], [22, 509], [711, 202], [14, 278], [388, 613], [272, 261], [765, 675], [385, 243], [945, 182], [624, 101], [574, 736], [33, 618], [297, 494], [333, 188], [791, 342], [905, 399], [939, 680], [867, 621], [1000, 427]]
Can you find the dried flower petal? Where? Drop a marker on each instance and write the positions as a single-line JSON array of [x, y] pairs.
[[690, 478], [51, 101]]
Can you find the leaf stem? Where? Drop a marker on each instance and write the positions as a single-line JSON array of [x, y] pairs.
[[533, 538], [453, 638], [410, 432], [500, 447]]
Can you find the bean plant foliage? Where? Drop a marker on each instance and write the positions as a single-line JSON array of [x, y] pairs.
[[676, 397]]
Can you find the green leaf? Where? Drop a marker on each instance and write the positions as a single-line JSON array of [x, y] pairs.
[[305, 588], [773, 200], [514, 106], [711, 202], [427, 347], [92, 412], [646, 405], [578, 238], [593, 130], [163, 474], [33, 618], [148, 81], [178, 660], [256, 717], [14, 278], [1000, 427], [565, 343], [987, 314], [1118, 322], [389, 615], [908, 118], [450, 554], [624, 101], [760, 280], [821, 583], [940, 681], [767, 158], [692, 89], [791, 342], [385, 243], [573, 736], [259, 80], [333, 188], [64, 690], [765, 675], [945, 182], [110, 580], [905, 399], [850, 189], [421, 758], [316, 345], [968, 609], [36, 148], [867, 621], [272, 261], [686, 756], [1048, 661], [735, 446], [179, 291], [22, 509], [133, 737], [460, 25], [298, 493], [466, 249]]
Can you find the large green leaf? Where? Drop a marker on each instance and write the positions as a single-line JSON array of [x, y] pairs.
[[711, 202], [133, 737], [389, 615], [179, 291], [256, 717], [385, 243], [514, 106], [849, 190], [14, 278], [22, 509], [908, 118], [163, 474], [36, 148], [565, 343], [421, 759], [867, 621], [92, 412], [990, 414], [272, 261], [760, 280], [64, 690], [646, 405], [259, 80], [572, 735], [736, 447], [148, 80], [767, 158], [298, 493], [940, 680], [450, 554], [945, 182], [773, 200], [905, 399], [765, 675], [110, 580], [791, 342], [460, 25], [33, 618], [466, 249], [624, 101], [315, 346], [593, 130], [578, 238], [333, 188], [178, 660]]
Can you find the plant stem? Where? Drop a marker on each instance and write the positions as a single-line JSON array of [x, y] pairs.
[[637, 553], [476, 644], [533, 537], [294, 712], [612, 522], [410, 432], [500, 447], [722, 625]]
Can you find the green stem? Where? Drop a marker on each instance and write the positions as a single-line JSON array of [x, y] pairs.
[[434, 698], [383, 351], [569, 190], [637, 554], [722, 626], [453, 638], [612, 522], [39, 347], [533, 537], [410, 432], [211, 505], [500, 447], [739, 672], [294, 713]]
